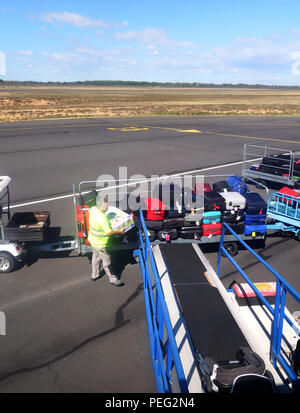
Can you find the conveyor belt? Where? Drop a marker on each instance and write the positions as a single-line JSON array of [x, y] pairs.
[[213, 330]]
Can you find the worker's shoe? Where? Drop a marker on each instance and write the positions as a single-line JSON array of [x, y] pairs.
[[95, 277], [115, 281]]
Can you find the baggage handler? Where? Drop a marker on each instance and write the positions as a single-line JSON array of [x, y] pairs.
[[99, 237]]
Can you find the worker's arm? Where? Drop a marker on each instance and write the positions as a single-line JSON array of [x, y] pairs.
[[119, 232]]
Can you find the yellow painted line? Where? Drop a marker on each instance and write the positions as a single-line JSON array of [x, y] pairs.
[[174, 129]]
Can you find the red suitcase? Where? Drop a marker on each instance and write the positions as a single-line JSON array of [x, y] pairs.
[[287, 191], [212, 229], [155, 209]]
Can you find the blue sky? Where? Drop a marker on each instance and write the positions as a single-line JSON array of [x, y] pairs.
[[224, 41]]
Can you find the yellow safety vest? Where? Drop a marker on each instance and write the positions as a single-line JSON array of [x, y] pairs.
[[98, 227]]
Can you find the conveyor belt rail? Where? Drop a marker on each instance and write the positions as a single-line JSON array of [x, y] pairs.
[[164, 351], [282, 288]]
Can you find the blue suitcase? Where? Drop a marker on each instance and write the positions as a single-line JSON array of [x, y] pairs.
[[255, 219], [211, 217], [250, 229], [255, 204]]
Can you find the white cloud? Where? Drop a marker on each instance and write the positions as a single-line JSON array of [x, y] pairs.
[[25, 52], [72, 18]]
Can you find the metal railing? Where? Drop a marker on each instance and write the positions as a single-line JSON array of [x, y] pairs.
[[164, 350], [277, 313]]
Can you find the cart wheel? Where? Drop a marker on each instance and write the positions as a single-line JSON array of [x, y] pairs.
[[262, 181], [7, 262], [297, 236], [232, 248]]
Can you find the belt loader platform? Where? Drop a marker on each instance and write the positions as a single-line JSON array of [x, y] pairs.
[[204, 338]]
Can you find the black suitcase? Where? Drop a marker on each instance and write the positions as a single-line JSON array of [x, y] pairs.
[[167, 235], [255, 204], [168, 193], [190, 232], [173, 213], [237, 227], [221, 186], [151, 235], [172, 223], [273, 170], [89, 198], [154, 225], [233, 216], [274, 160], [213, 201]]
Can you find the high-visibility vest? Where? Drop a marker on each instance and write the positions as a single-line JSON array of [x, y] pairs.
[[98, 227]]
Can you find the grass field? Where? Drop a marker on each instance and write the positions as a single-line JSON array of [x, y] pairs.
[[53, 102]]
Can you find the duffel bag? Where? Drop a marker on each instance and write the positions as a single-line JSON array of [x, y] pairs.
[[237, 184], [167, 235]]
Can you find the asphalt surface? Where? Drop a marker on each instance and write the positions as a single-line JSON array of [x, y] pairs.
[[66, 333]]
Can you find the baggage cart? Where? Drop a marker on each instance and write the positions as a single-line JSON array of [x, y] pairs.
[[275, 165]]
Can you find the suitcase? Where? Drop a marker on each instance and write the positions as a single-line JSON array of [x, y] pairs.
[[255, 229], [167, 235], [89, 198], [200, 188], [255, 204], [233, 200], [173, 213], [273, 170], [151, 235], [290, 192], [233, 216], [168, 193], [237, 184], [221, 186], [172, 223], [275, 160], [154, 225], [255, 219], [190, 232], [213, 201], [211, 217], [237, 227], [211, 229], [155, 209]]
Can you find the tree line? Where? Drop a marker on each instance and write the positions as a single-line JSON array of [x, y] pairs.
[[130, 83]]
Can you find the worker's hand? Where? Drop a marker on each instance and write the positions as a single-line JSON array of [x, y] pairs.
[[121, 231]]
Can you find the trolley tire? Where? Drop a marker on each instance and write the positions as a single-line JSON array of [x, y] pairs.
[[297, 236], [7, 262], [232, 248]]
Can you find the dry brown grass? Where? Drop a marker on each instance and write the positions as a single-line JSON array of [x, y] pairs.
[[30, 103]]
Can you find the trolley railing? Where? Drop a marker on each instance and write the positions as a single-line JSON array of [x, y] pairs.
[[277, 313], [164, 350]]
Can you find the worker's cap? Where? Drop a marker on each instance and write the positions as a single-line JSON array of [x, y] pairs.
[[101, 200]]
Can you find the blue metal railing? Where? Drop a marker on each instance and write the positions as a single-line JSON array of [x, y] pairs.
[[164, 351], [282, 288]]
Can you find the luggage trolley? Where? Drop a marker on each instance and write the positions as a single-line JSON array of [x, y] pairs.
[[284, 213], [268, 164]]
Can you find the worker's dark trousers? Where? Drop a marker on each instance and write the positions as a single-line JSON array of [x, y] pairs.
[[100, 254]]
